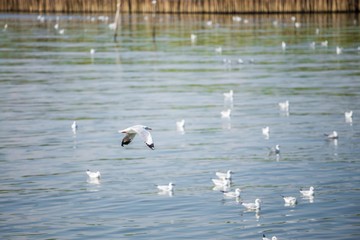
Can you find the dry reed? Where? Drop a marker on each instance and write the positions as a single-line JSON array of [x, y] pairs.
[[182, 6]]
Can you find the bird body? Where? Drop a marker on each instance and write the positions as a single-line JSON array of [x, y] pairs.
[[290, 200], [235, 194], [226, 175], [265, 238], [253, 206], [221, 182], [283, 45], [93, 175], [338, 50], [180, 125], [349, 114], [275, 150], [308, 193], [166, 188], [284, 105], [333, 135], [137, 129], [226, 113], [74, 126], [229, 95], [266, 130]]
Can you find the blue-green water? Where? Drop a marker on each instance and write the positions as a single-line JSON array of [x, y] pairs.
[[154, 75]]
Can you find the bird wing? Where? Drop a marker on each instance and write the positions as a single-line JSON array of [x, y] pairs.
[[128, 138], [145, 135]]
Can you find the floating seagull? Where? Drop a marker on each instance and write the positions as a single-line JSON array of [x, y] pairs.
[[317, 31], [266, 131], [226, 114], [61, 31], [349, 114], [265, 238], [74, 127], [283, 45], [166, 188], [228, 96], [92, 51], [324, 43], [284, 105], [180, 125], [275, 150], [222, 175], [142, 131], [56, 26], [193, 38], [221, 182], [253, 206], [218, 49], [308, 193], [333, 135], [297, 24], [293, 18], [112, 26], [93, 175], [290, 200], [236, 19], [338, 50], [5, 27], [312, 45], [240, 61], [235, 194]]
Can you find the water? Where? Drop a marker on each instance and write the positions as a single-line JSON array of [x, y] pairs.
[[154, 75]]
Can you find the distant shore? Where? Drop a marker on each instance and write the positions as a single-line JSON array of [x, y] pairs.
[[181, 6]]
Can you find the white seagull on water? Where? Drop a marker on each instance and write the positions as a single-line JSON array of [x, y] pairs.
[[290, 200], [275, 150], [266, 131], [142, 130], [228, 96], [74, 127], [166, 188], [93, 175], [225, 114], [284, 105], [333, 135], [253, 206], [308, 193], [226, 175], [349, 114], [235, 194], [180, 125], [221, 182]]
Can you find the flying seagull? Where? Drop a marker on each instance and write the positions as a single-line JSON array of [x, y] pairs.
[[142, 130]]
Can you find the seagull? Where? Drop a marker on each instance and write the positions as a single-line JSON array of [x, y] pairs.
[[193, 37], [290, 200], [283, 45], [253, 206], [56, 26], [312, 45], [92, 51], [74, 127], [235, 194], [180, 125], [112, 26], [166, 188], [293, 18], [265, 238], [218, 49], [308, 193], [228, 96], [240, 61], [333, 135], [226, 175], [338, 50], [221, 182], [266, 131], [226, 114], [93, 175], [284, 105], [142, 131], [349, 114], [324, 43], [275, 150], [297, 24]]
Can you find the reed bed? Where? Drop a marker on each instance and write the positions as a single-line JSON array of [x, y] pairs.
[[182, 6]]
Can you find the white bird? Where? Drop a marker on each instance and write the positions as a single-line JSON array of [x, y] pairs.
[[290, 200], [283, 45], [226, 113], [308, 193], [228, 96], [56, 26], [137, 129], [180, 125], [218, 49], [240, 61], [193, 37], [265, 238], [338, 50], [275, 150], [93, 175], [74, 126], [166, 188], [209, 23], [324, 43], [235, 194], [112, 26], [297, 24], [61, 31], [284, 105], [333, 135], [293, 18], [222, 175], [266, 131], [92, 51], [253, 206], [312, 45], [5, 27], [221, 182], [348, 114]]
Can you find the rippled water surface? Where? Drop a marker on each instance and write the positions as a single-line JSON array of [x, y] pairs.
[[155, 75]]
